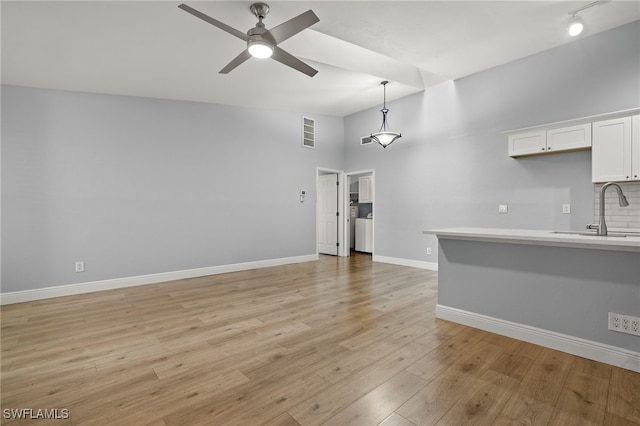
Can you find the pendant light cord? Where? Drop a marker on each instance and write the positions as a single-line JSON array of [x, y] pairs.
[[384, 96], [384, 109]]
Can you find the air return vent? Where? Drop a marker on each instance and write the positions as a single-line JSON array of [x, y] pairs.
[[308, 132], [365, 140]]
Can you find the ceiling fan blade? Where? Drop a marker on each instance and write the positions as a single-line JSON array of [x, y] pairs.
[[293, 62], [236, 61], [293, 26], [214, 22]]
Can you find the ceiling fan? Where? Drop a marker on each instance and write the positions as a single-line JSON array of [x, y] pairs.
[[263, 43]]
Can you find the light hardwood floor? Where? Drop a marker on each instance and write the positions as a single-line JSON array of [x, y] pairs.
[[340, 341]]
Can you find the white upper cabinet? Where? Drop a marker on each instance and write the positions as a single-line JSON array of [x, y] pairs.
[[548, 141], [616, 150], [527, 143], [569, 138], [365, 189]]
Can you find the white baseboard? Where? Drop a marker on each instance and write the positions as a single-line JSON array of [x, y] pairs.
[[589, 349], [432, 266], [90, 287]]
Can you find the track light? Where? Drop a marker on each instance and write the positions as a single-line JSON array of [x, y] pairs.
[[576, 26]]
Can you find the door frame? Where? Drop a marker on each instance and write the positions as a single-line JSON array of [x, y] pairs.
[[341, 207], [345, 243]]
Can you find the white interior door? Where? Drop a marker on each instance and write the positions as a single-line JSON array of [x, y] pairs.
[[327, 214]]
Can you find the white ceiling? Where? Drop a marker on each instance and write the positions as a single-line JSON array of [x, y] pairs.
[[154, 49]]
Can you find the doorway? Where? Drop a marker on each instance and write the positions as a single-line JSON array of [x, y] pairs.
[[358, 221], [334, 226]]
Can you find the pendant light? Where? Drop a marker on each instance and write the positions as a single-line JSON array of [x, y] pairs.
[[385, 137]]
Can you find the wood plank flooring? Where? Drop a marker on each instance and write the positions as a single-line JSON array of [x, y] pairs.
[[340, 341]]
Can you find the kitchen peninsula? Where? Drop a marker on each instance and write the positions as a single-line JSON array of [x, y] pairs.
[[551, 288]]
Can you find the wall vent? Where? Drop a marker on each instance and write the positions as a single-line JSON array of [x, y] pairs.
[[365, 140], [308, 132]]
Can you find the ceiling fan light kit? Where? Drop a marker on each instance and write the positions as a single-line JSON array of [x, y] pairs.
[[261, 42], [384, 136], [260, 49]]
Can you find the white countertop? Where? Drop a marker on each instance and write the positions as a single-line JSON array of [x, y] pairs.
[[537, 237]]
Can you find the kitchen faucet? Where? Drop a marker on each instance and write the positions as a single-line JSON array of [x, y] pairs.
[[622, 200]]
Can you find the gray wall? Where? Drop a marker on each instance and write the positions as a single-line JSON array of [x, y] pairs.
[[451, 167], [135, 186], [565, 290]]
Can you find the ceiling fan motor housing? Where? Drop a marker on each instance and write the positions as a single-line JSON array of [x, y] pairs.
[[258, 32]]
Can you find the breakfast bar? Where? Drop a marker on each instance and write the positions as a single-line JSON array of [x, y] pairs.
[[553, 288]]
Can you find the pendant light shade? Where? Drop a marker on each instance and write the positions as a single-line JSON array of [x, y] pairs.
[[384, 136]]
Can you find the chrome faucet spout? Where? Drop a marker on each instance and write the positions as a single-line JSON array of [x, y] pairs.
[[622, 201]]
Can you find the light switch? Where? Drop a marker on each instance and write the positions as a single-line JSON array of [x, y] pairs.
[[503, 208]]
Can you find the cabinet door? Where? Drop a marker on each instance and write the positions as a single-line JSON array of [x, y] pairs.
[[569, 138], [528, 143], [365, 189], [611, 151], [635, 147]]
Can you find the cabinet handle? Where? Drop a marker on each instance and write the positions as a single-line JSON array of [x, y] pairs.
[[543, 148], [549, 148]]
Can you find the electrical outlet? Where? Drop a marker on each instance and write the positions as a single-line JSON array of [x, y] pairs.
[[428, 250], [80, 266], [624, 323], [566, 209], [503, 208], [614, 321]]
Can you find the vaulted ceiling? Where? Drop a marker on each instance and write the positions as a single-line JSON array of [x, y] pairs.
[[154, 49]]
